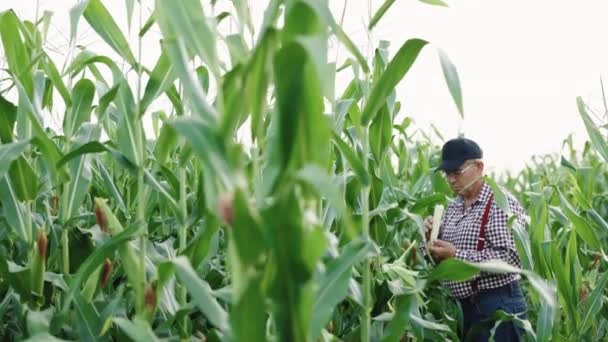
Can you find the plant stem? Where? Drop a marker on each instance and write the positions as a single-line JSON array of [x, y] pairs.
[[367, 302], [183, 232]]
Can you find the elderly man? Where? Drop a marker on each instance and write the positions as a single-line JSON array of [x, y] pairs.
[[474, 229]]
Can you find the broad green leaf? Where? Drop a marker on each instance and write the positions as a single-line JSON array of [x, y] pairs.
[[86, 148], [201, 293], [454, 270], [176, 50], [80, 172], [246, 233], [130, 128], [333, 284], [396, 69], [111, 187], [259, 72], [594, 303], [102, 22], [187, 19], [355, 163], [161, 79], [94, 260], [24, 179], [499, 195], [53, 74], [82, 96], [597, 139], [138, 329], [453, 81], [302, 127], [50, 151], [8, 115], [15, 50], [245, 318], [9, 152], [206, 145], [14, 211], [89, 323], [581, 226], [44, 337]]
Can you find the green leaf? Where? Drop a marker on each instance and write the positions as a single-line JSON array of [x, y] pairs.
[[9, 153], [82, 96], [75, 14], [8, 115], [248, 318], [259, 72], [594, 303], [201, 293], [80, 173], [111, 187], [206, 145], [161, 79], [176, 50], [324, 12], [246, 232], [187, 20], [597, 139], [435, 2], [396, 69], [302, 127], [453, 270], [97, 258], [499, 195], [53, 74], [39, 321], [380, 13], [451, 77], [355, 163], [103, 23], [15, 50], [130, 129], [581, 226], [24, 179], [138, 330], [333, 284], [89, 323], [89, 147], [13, 210], [44, 337]]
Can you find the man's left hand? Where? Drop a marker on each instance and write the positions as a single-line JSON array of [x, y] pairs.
[[441, 250]]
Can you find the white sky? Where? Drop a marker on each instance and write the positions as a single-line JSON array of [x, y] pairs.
[[521, 64]]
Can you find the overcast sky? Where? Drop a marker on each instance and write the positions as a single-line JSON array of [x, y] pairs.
[[521, 63]]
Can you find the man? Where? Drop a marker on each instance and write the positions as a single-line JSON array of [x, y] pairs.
[[475, 229]]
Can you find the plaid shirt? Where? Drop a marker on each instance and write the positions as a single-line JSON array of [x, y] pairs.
[[461, 228]]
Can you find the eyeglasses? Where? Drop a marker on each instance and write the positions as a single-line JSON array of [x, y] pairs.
[[458, 172]]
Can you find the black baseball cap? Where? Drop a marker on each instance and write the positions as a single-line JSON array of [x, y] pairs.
[[456, 151]]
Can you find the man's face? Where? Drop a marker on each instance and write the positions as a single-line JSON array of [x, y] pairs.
[[460, 180]]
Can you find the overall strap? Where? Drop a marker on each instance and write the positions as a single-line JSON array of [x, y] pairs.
[[482, 236]]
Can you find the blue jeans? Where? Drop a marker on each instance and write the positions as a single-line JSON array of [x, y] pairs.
[[482, 307]]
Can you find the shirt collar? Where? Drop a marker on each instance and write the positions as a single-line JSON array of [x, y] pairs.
[[482, 197]]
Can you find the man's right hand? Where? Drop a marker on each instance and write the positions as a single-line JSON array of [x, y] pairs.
[[428, 224]]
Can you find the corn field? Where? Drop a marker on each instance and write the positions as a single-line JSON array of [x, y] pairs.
[[306, 232]]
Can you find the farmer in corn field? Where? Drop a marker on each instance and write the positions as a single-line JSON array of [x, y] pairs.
[[475, 229]]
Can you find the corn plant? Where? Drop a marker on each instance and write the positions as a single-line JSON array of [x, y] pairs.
[[307, 232]]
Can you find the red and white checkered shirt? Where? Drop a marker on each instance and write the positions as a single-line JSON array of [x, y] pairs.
[[461, 228]]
